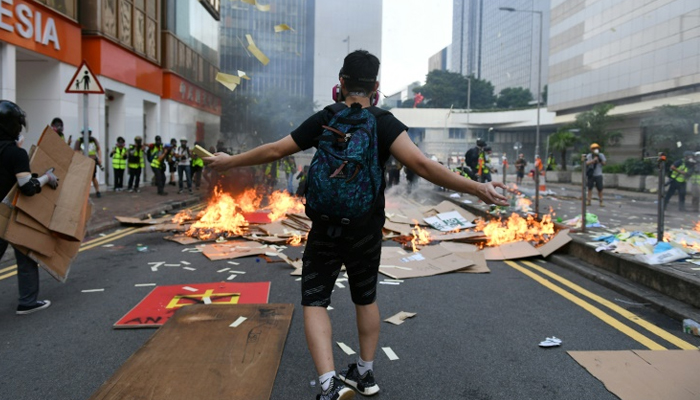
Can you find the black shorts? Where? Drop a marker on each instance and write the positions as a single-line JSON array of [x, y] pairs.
[[520, 174], [359, 250], [596, 181]]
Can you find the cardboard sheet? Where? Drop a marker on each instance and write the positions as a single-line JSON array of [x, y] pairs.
[[416, 265], [162, 302], [147, 221], [399, 318], [235, 249], [645, 374]]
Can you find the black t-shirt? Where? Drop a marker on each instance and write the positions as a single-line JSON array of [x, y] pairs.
[[388, 129], [13, 160]]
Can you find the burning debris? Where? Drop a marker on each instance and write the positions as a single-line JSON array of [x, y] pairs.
[[516, 229]]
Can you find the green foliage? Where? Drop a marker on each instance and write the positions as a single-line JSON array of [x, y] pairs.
[[561, 141], [613, 169], [594, 125], [444, 89], [635, 166], [670, 125], [516, 97]]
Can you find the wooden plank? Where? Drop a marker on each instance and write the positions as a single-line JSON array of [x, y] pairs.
[[196, 355]]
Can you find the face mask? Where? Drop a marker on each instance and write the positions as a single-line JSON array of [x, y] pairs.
[[596, 151], [20, 140]]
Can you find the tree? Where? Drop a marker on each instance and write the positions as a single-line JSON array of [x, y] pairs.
[[670, 125], [445, 89], [516, 97], [594, 125], [561, 141]]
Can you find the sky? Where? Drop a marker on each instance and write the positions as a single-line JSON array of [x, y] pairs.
[[412, 31]]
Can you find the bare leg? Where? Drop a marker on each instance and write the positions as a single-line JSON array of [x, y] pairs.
[[368, 323], [590, 194], [600, 196], [317, 326]]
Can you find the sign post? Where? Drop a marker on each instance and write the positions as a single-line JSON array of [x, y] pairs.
[[85, 82]]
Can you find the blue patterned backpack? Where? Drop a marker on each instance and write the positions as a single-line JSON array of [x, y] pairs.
[[345, 175]]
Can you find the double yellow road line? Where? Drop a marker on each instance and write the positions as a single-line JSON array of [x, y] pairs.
[[578, 298], [102, 240]]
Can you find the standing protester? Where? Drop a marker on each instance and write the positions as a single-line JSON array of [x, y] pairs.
[[57, 126], [595, 160], [695, 184], [136, 164], [303, 178], [183, 155], [271, 173], [551, 162], [95, 153], [520, 165], [290, 167], [197, 167], [681, 171], [356, 242], [472, 159], [14, 168], [172, 162], [158, 155], [486, 165], [119, 156]]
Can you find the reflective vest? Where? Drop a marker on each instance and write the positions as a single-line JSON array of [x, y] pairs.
[[487, 163], [196, 161], [678, 177], [138, 153], [551, 162], [695, 179], [271, 169], [92, 148], [288, 166], [156, 152], [119, 158]]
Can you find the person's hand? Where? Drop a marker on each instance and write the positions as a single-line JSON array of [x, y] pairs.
[[488, 194], [218, 162], [53, 180]]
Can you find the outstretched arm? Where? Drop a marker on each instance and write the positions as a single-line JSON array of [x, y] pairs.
[[409, 155], [260, 155]]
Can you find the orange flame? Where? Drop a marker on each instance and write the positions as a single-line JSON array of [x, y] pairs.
[[516, 229], [295, 240], [282, 203], [523, 204], [220, 216], [420, 236], [249, 201], [697, 227]]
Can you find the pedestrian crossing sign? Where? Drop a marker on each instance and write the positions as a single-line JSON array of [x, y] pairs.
[[84, 81]]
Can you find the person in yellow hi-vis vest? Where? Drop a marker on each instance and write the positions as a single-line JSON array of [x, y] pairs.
[[95, 153], [681, 171], [290, 167], [695, 183], [197, 168], [136, 163], [118, 155], [158, 154]]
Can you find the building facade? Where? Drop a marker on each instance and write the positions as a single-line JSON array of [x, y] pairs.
[[499, 46], [636, 55], [155, 81]]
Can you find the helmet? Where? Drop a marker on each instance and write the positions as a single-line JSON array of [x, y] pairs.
[[487, 148], [12, 119], [157, 138], [183, 139], [595, 146], [89, 130], [687, 153], [137, 139], [480, 142]]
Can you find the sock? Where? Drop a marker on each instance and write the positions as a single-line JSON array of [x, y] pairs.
[[363, 366], [325, 380]]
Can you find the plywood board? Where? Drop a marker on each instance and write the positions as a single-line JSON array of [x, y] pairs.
[[645, 374], [163, 301], [197, 355]]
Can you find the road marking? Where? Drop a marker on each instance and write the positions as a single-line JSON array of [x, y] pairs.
[[597, 312], [682, 344], [118, 234]]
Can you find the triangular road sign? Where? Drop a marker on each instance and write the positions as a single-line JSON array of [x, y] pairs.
[[84, 81]]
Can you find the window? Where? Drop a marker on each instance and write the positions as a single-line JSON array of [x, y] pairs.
[[457, 133]]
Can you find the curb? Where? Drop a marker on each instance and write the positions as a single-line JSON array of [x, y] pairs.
[[666, 291]]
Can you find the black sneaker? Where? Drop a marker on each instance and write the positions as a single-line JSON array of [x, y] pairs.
[[336, 391], [40, 305], [364, 384], [98, 195]]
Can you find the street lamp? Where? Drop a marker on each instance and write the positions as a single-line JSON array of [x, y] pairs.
[[539, 96]]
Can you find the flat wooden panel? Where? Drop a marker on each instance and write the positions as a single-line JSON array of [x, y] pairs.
[[196, 355]]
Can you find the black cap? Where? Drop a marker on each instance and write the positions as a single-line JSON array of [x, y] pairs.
[[480, 142]]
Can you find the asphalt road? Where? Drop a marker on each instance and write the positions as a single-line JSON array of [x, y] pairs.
[[474, 336]]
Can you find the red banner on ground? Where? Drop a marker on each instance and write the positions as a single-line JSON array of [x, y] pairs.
[[156, 308]]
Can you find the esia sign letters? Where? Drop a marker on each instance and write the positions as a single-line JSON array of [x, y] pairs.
[[28, 23]]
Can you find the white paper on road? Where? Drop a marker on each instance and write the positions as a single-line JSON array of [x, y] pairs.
[[189, 268], [237, 322], [207, 300], [233, 263], [184, 262], [390, 353], [92, 290], [231, 277], [346, 348], [340, 285], [189, 288], [223, 270], [144, 284], [389, 283]]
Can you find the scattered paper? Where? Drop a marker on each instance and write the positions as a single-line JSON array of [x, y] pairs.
[[390, 353], [144, 284], [184, 262], [283, 27], [223, 270], [108, 245], [346, 348], [92, 290], [231, 277], [189, 268], [237, 322], [229, 81], [233, 263], [206, 300], [448, 221], [256, 51], [189, 288], [388, 283], [400, 317]]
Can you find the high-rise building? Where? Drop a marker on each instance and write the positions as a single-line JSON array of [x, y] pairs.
[[636, 55], [290, 69], [359, 28], [500, 46]]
